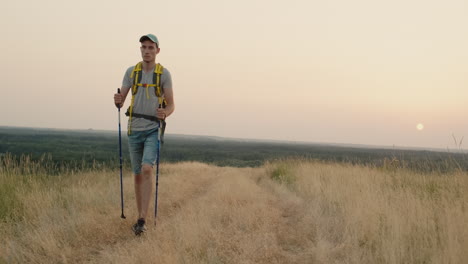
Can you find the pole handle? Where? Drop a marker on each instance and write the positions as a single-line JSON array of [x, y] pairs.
[[161, 106], [118, 105]]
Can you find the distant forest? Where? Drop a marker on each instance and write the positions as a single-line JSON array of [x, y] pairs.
[[101, 147]]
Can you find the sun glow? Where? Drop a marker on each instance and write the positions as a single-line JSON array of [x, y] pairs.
[[419, 126]]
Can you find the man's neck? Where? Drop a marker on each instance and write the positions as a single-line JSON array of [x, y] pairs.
[[148, 66]]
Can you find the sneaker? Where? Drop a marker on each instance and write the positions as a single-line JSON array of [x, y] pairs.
[[139, 227]]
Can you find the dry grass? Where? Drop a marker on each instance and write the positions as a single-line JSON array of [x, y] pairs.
[[285, 212]]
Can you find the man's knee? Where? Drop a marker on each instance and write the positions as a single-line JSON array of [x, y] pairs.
[[146, 169]]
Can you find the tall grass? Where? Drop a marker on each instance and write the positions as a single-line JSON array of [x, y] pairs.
[[288, 211], [22, 174], [384, 216]]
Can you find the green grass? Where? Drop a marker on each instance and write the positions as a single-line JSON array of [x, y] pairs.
[[10, 204], [283, 172]]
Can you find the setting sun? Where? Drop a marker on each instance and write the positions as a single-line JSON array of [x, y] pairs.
[[419, 126]]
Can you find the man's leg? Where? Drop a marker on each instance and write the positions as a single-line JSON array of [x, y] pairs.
[[143, 177], [137, 180], [145, 182], [136, 143], [143, 190]]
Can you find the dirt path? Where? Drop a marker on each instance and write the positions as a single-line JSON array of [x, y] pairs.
[[217, 215]]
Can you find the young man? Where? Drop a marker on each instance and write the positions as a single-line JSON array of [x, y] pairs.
[[145, 111]]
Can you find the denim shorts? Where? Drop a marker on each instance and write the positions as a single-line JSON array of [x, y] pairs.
[[143, 146]]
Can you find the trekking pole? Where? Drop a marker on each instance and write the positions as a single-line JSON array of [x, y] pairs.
[[157, 170], [120, 157]]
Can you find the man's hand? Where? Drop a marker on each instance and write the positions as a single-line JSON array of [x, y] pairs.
[[118, 100], [161, 113]]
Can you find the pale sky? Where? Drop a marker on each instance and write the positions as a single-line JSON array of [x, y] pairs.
[[335, 71]]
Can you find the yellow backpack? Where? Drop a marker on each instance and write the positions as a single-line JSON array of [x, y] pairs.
[[136, 75]]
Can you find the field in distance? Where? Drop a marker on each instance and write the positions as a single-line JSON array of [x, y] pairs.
[[89, 148]]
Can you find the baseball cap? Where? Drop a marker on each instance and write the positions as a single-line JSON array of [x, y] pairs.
[[150, 37]]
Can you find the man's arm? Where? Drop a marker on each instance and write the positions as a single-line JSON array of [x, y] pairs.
[[162, 113], [119, 99], [170, 107]]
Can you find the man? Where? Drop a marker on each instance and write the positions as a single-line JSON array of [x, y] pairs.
[[145, 112]]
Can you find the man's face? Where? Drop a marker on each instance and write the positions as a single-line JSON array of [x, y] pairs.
[[148, 51]]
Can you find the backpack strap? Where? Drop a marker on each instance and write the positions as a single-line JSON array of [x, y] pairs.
[[158, 70], [136, 75], [159, 93]]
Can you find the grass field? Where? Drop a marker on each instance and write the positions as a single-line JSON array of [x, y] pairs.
[[289, 211]]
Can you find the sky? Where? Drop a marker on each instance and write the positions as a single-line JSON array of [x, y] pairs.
[[335, 71]]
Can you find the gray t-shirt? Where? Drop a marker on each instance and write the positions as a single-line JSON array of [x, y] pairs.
[[146, 101]]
